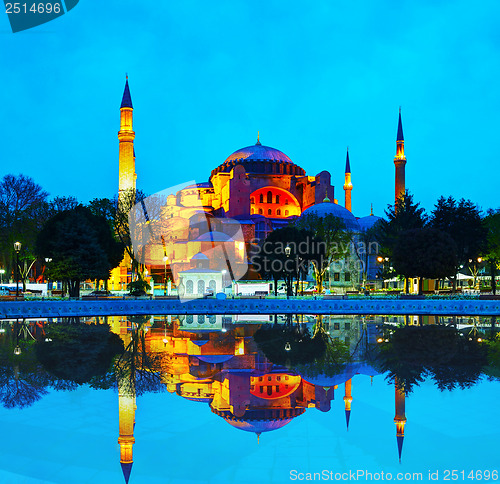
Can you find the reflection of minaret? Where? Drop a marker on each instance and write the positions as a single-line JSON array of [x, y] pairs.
[[126, 409], [126, 137], [400, 160], [400, 418], [347, 402], [347, 184]]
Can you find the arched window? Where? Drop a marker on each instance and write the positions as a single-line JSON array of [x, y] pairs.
[[212, 285], [269, 197], [261, 198], [260, 210], [189, 287], [277, 199], [201, 286], [201, 318], [269, 212], [212, 319], [252, 200], [278, 212], [286, 201], [286, 213], [189, 318]]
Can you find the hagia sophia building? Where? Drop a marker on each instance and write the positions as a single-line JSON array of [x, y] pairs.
[[258, 186]]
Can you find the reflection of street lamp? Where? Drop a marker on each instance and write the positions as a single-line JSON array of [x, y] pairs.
[[165, 259], [2, 272], [288, 346], [287, 252], [224, 272], [17, 248]]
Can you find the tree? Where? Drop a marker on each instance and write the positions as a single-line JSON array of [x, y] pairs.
[[463, 222], [332, 238], [22, 205], [284, 254], [81, 246], [424, 253], [404, 215], [492, 253]]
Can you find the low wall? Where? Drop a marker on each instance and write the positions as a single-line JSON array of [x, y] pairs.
[[54, 309]]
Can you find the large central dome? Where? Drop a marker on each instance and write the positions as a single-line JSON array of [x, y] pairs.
[[258, 152], [260, 159]]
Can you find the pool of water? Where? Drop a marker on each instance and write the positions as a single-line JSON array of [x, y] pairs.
[[208, 404]]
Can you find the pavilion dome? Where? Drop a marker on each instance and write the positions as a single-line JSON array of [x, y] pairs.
[[258, 158], [368, 222], [328, 208]]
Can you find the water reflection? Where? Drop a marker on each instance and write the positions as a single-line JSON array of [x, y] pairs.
[[257, 373]]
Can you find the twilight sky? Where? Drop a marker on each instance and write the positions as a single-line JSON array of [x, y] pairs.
[[205, 76]]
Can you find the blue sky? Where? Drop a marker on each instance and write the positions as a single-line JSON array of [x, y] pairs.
[[205, 76]]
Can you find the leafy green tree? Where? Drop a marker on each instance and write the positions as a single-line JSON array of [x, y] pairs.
[[492, 254], [81, 246], [463, 222], [284, 255], [332, 238], [424, 253]]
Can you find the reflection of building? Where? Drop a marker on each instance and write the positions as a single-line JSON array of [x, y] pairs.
[[210, 360], [260, 188]]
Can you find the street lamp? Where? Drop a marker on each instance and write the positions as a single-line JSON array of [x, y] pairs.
[[287, 252], [17, 248], [47, 261], [165, 259]]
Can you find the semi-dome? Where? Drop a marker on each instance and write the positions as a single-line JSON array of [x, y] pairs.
[[258, 158], [368, 222], [328, 208]]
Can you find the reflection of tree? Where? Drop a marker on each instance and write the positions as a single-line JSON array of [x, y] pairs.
[[22, 380], [138, 370], [415, 352], [79, 353]]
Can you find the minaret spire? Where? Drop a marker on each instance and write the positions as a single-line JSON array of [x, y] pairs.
[[347, 183], [258, 138], [347, 402], [400, 160], [126, 136], [400, 417]]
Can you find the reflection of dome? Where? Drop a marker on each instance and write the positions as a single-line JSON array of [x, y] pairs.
[[214, 237], [260, 159], [368, 222], [262, 420], [328, 208]]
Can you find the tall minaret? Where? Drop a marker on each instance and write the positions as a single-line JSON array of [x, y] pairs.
[[400, 417], [347, 184], [347, 402], [126, 137], [400, 160]]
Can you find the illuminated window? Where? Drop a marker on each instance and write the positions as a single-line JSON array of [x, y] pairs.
[[278, 212], [269, 197], [277, 199], [336, 326], [336, 276], [286, 213]]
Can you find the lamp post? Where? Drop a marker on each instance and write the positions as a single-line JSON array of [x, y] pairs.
[[165, 259], [17, 248], [287, 252], [224, 272], [47, 261]]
